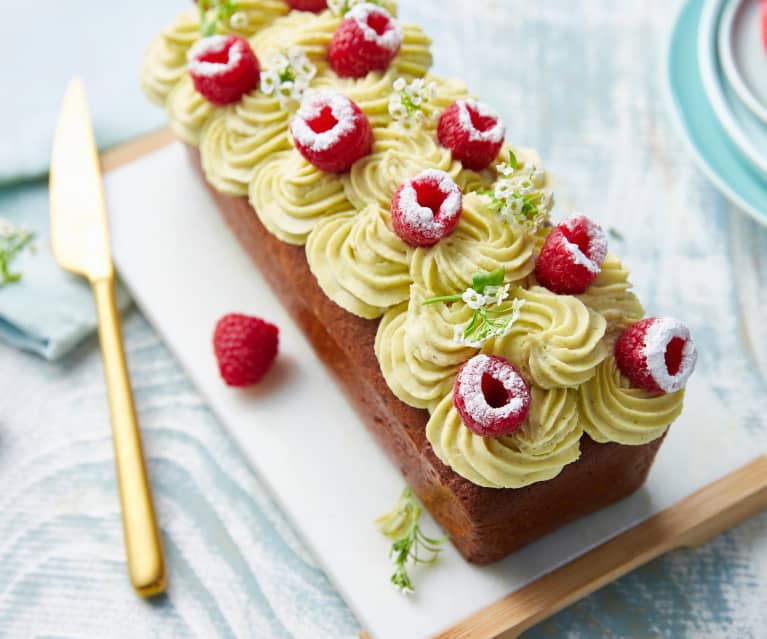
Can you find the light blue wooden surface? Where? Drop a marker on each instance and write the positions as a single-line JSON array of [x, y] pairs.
[[581, 81]]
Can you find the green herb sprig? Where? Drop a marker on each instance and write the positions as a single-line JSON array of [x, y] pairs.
[[410, 544], [492, 315], [214, 13], [13, 240]]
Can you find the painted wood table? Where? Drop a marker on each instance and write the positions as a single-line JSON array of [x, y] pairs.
[[582, 82]]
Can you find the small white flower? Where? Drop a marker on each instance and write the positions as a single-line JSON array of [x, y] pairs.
[[399, 84], [397, 110], [504, 190], [239, 20], [505, 169], [473, 299], [279, 63], [524, 186], [300, 85], [7, 228], [515, 205], [285, 90], [496, 294], [269, 82], [417, 116]]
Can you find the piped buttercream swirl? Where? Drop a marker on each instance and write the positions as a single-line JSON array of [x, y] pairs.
[[546, 443]]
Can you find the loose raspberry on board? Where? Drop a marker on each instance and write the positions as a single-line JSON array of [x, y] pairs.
[[245, 348], [426, 208], [331, 131], [572, 256], [223, 68], [657, 354], [473, 132], [367, 39], [491, 396], [315, 6]]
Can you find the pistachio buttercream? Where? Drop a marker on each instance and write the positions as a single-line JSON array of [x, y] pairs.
[[239, 137], [165, 60], [188, 111], [291, 196], [417, 350], [538, 451], [612, 410], [557, 341], [481, 242], [610, 295], [360, 262]]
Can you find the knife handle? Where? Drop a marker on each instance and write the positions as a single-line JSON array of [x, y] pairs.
[[146, 565]]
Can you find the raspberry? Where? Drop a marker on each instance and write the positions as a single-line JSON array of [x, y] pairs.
[[491, 396], [572, 256], [245, 348], [473, 132], [367, 39], [331, 131], [315, 6], [223, 68], [426, 208], [657, 354]]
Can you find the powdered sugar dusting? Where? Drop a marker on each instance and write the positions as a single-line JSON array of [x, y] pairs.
[[470, 382], [494, 134], [390, 39], [213, 45], [422, 217], [658, 336], [311, 109], [597, 243]]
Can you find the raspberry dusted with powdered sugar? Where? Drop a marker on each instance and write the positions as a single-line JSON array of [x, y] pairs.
[[223, 68], [426, 208], [367, 40], [473, 132], [572, 256], [491, 396], [331, 131], [657, 354], [315, 6]]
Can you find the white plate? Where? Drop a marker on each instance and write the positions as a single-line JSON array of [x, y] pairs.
[[746, 131], [185, 270], [743, 55]]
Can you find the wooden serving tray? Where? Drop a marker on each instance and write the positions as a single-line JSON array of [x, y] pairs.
[[739, 491]]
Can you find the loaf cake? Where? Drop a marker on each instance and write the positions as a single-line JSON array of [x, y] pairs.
[[501, 360]]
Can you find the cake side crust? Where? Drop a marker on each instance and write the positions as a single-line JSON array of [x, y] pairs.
[[484, 524]]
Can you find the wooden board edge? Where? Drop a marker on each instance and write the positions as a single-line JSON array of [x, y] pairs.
[[691, 522], [124, 153], [700, 517]]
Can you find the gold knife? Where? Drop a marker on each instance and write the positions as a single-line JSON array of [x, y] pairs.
[[80, 240]]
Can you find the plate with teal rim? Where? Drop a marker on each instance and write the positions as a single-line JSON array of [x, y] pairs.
[[746, 131], [743, 53], [712, 149]]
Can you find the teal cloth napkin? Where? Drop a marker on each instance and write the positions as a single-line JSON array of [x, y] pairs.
[[49, 311]]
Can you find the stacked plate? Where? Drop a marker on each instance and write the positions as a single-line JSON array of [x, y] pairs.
[[717, 71]]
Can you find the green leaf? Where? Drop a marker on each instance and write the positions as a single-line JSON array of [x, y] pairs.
[[615, 234], [481, 280], [512, 160]]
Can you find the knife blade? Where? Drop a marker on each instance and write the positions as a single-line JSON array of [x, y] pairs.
[[78, 214], [80, 241]]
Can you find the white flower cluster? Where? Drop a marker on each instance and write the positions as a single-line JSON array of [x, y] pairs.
[[409, 103], [520, 195], [493, 295], [341, 7], [8, 229], [487, 322], [288, 77]]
